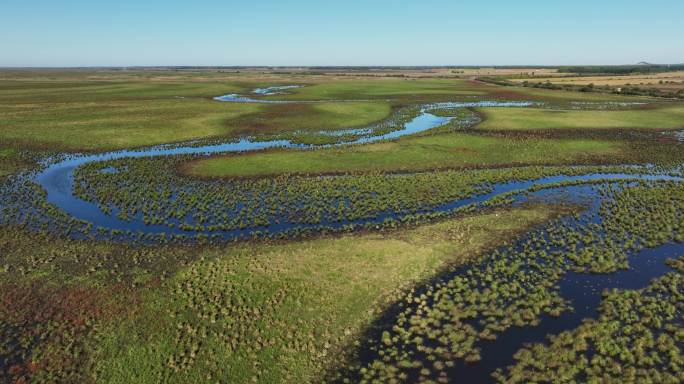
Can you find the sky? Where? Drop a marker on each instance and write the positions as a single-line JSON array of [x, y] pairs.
[[59, 33]]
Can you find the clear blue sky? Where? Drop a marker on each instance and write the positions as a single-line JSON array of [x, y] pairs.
[[343, 32]]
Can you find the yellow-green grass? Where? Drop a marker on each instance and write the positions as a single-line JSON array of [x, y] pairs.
[[452, 150], [85, 111], [99, 115], [670, 117], [283, 313], [89, 112], [285, 118], [558, 96], [92, 113], [96, 115], [115, 124], [352, 114], [384, 88], [9, 161], [28, 91], [412, 90]]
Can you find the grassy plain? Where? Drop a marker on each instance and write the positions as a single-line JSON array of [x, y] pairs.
[[668, 117], [114, 124], [553, 96], [95, 114], [278, 312], [283, 313], [102, 110], [451, 150], [411, 89], [287, 118]]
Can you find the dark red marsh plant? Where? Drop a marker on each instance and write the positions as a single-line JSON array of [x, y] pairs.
[[45, 327]]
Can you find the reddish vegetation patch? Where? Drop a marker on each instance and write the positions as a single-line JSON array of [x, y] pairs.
[[464, 150], [275, 117], [44, 328]]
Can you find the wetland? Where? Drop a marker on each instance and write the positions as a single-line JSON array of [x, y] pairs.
[[255, 227]]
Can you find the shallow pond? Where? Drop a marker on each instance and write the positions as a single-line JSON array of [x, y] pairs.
[[274, 90], [267, 91], [679, 136]]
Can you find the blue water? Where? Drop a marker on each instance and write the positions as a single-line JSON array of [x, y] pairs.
[[274, 90], [268, 91]]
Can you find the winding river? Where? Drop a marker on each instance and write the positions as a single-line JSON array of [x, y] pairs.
[[57, 177]]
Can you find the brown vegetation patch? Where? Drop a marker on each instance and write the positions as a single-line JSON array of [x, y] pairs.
[[45, 329], [270, 119]]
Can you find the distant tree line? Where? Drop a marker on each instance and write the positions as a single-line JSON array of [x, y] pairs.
[[621, 69]]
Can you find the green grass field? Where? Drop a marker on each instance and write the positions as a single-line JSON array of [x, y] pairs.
[[280, 312], [384, 88], [299, 304], [662, 117], [115, 124], [76, 111], [567, 96], [84, 111], [453, 150], [290, 118], [104, 116], [58, 91], [9, 161]]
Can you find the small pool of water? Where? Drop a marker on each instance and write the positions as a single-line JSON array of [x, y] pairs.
[[679, 136], [109, 170], [275, 90], [267, 91]]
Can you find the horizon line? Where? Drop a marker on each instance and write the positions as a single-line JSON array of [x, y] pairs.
[[390, 66]]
